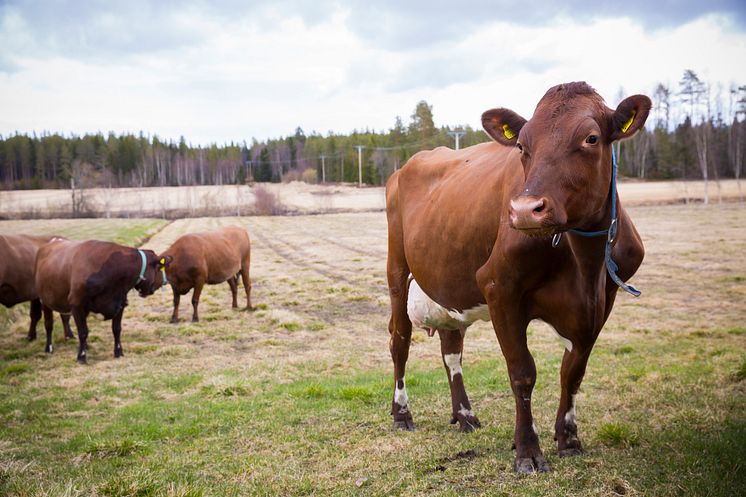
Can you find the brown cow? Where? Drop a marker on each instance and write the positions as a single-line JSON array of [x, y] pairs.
[[17, 258], [480, 231], [93, 276], [209, 258]]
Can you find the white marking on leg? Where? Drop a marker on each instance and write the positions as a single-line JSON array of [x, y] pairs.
[[567, 342], [533, 427], [570, 414], [453, 363], [464, 411], [400, 394]]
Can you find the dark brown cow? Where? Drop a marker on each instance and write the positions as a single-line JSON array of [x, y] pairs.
[[93, 276], [17, 258], [209, 258], [480, 231]]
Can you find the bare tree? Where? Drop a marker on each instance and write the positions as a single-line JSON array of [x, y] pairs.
[[692, 92]]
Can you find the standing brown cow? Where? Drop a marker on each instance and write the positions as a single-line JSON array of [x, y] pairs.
[[209, 258], [525, 228], [17, 259], [93, 276]]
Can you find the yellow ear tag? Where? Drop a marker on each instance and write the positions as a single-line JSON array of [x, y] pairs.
[[163, 260], [626, 125], [507, 132]]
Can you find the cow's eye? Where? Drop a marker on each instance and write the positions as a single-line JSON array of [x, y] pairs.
[[591, 139], [520, 147]]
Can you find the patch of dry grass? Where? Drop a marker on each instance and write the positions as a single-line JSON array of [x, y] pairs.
[[293, 398]]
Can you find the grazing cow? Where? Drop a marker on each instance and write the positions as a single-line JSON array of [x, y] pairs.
[[209, 258], [17, 258], [82, 277], [525, 228]]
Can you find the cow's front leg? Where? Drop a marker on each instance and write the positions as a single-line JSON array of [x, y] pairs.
[[116, 329], [451, 348], [195, 300], [565, 427], [510, 329], [35, 315], [177, 298], [400, 329], [80, 316]]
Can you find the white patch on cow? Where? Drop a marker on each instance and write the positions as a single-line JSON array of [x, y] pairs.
[[400, 394], [567, 342], [453, 362], [570, 414], [533, 427], [465, 412], [424, 312]]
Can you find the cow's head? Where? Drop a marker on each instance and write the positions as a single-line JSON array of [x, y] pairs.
[[153, 278], [565, 149]]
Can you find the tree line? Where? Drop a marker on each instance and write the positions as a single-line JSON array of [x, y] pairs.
[[695, 131]]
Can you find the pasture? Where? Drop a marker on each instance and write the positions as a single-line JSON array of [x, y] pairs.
[[294, 398]]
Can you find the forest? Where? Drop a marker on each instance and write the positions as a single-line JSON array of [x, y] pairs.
[[696, 130]]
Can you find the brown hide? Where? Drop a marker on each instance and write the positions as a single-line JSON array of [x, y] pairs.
[[93, 276], [474, 227], [17, 257], [209, 258]]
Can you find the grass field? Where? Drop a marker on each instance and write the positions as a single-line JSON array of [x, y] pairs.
[[293, 399]]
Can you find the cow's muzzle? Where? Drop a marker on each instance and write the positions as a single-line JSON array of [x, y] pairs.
[[532, 215]]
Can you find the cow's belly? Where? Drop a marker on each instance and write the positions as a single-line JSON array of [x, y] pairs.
[[424, 312]]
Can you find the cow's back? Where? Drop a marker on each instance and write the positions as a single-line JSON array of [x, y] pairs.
[[17, 259], [449, 205], [213, 256]]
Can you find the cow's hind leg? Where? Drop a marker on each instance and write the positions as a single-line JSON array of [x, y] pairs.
[[66, 326], [116, 329], [233, 283], [565, 427], [48, 327], [246, 280], [452, 347], [80, 316], [400, 330], [35, 315]]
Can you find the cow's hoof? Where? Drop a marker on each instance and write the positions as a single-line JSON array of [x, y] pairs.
[[528, 465], [31, 337], [404, 424], [82, 360], [195, 320], [571, 451], [467, 424], [174, 320], [118, 353], [49, 349], [69, 336]]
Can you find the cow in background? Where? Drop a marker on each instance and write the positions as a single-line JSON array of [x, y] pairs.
[[209, 258], [526, 227], [17, 259], [93, 276]]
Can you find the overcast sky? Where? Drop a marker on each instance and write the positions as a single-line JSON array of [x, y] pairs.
[[233, 70]]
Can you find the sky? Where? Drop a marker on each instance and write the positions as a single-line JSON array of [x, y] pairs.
[[229, 71]]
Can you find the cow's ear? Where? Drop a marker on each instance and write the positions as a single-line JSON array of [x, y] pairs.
[[629, 116], [164, 261], [503, 125]]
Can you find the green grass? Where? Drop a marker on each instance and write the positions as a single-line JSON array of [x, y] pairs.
[[294, 399]]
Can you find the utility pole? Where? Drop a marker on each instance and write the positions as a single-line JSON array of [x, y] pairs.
[[457, 135], [323, 169], [359, 164]]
